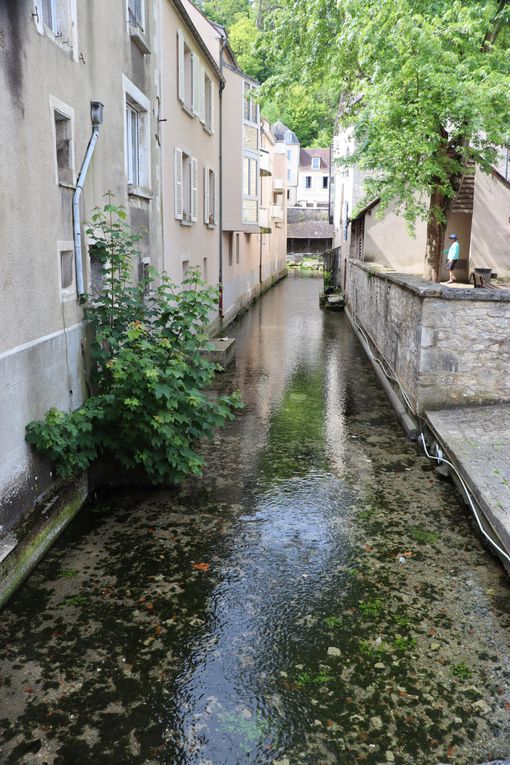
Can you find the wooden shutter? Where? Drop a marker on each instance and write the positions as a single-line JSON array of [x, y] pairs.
[[195, 84], [202, 93], [181, 72], [206, 195], [194, 188], [178, 184], [216, 200], [212, 92]]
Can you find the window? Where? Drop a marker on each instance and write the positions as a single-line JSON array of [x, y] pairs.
[[288, 137], [136, 13], [209, 104], [288, 194], [185, 72], [137, 136], [57, 19], [231, 248], [185, 268], [250, 106], [63, 145], [250, 155], [288, 175], [316, 163], [324, 181], [186, 187], [204, 269], [237, 248], [289, 155], [210, 197], [308, 181], [65, 253]]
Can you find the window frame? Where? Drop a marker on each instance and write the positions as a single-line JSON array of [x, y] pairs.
[[63, 29], [308, 181], [250, 154], [185, 209], [210, 205], [134, 19], [137, 102], [69, 292], [59, 107], [316, 163]]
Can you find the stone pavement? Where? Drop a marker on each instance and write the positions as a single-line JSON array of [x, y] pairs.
[[477, 441]]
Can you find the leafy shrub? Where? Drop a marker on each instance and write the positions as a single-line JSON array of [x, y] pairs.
[[150, 407]]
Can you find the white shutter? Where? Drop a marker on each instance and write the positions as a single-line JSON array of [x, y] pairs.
[[206, 195], [212, 91], [202, 92], [180, 66], [216, 200], [178, 184], [195, 84], [194, 189]]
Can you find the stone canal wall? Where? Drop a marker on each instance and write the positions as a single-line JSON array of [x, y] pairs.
[[447, 347]]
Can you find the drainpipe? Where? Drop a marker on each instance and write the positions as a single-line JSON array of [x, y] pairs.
[[222, 85], [96, 116]]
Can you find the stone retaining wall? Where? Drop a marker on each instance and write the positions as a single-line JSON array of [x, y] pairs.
[[447, 347]]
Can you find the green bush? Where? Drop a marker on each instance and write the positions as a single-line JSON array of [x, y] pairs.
[[150, 408]]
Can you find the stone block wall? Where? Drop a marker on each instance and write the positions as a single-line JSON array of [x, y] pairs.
[[447, 347]]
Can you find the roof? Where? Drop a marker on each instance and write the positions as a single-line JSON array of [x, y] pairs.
[[181, 8], [280, 130], [306, 156], [367, 208], [310, 229]]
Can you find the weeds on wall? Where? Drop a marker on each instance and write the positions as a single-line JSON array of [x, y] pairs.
[[150, 408]]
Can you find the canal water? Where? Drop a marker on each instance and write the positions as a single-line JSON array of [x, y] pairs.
[[317, 597]]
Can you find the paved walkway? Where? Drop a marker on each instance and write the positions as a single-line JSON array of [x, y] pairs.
[[477, 441]]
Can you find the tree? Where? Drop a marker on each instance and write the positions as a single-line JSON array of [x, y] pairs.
[[307, 110], [225, 12], [431, 80]]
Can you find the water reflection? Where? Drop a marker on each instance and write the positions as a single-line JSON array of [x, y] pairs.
[[318, 597]]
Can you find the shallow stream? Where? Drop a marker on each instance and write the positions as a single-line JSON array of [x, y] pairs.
[[319, 597]]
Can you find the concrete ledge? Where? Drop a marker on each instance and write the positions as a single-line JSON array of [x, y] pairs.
[[37, 533], [222, 351], [477, 441], [425, 289]]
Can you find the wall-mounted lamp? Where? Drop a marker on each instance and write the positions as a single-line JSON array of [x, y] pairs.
[[96, 112]]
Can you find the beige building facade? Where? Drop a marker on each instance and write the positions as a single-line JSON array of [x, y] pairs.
[[146, 96], [57, 58]]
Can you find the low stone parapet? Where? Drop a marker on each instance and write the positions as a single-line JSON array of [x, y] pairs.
[[446, 347]]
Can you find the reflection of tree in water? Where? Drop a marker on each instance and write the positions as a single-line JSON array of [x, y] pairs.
[[296, 430]]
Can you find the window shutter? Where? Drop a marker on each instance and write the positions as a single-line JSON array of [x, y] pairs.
[[202, 93], [211, 101], [194, 189], [180, 66], [216, 199], [206, 195], [195, 84], [178, 184]]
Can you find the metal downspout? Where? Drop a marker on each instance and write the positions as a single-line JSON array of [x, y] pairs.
[[97, 118]]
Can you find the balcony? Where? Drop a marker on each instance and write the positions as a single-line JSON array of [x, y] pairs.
[[265, 168], [278, 185], [265, 220], [276, 212]]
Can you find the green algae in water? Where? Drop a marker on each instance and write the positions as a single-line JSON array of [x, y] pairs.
[[461, 671], [67, 573], [421, 535], [371, 607], [252, 730], [74, 600]]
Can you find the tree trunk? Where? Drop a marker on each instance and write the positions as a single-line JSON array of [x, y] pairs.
[[435, 236]]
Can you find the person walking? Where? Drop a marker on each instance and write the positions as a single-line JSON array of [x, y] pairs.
[[453, 257]]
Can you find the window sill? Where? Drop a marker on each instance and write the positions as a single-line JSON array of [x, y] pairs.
[[139, 191], [138, 37], [187, 109], [66, 185], [188, 223], [211, 225], [208, 130]]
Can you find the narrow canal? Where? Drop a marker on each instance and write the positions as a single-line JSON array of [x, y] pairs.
[[318, 597]]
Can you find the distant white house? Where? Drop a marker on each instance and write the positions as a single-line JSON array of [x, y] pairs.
[[313, 178], [292, 147]]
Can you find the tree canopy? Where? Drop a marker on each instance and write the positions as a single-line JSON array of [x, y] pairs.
[[427, 86]]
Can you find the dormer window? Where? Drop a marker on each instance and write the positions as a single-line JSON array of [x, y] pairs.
[[316, 163], [288, 137]]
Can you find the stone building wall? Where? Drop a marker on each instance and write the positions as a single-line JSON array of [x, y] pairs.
[[447, 347]]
